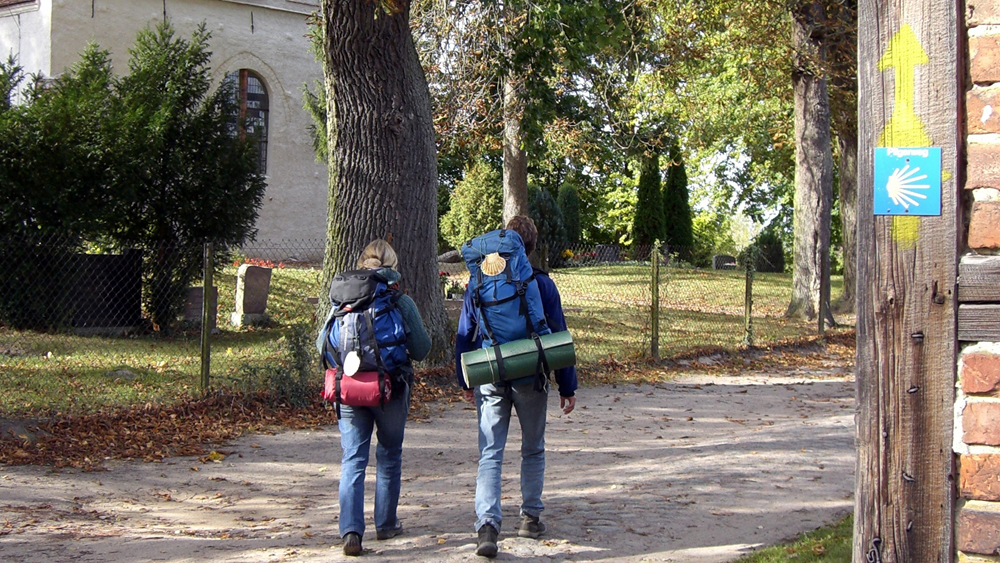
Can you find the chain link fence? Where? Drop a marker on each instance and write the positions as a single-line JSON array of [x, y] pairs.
[[607, 295], [78, 316]]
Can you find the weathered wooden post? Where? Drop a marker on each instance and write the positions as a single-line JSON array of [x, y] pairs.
[[207, 311], [749, 265], [909, 74]]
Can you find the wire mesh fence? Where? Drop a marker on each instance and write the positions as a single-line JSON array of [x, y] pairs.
[[77, 316], [607, 291]]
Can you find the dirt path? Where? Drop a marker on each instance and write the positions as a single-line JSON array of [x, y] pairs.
[[698, 470]]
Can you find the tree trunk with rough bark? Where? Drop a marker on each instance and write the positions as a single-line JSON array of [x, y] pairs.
[[848, 141], [383, 164], [515, 161], [813, 168]]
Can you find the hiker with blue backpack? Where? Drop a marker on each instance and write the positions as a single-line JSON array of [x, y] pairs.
[[509, 301], [367, 345]]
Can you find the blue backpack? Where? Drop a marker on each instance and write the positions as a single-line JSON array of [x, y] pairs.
[[506, 297], [364, 319]]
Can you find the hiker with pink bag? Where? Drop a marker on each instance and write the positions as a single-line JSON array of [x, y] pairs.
[[368, 343]]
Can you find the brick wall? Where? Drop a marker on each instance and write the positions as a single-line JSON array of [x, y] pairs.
[[977, 408]]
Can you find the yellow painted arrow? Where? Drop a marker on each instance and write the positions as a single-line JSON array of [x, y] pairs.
[[904, 129], [903, 55]]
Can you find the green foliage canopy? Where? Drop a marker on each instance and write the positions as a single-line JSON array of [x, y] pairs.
[[569, 204], [676, 207], [476, 205], [150, 161], [648, 223], [549, 221]]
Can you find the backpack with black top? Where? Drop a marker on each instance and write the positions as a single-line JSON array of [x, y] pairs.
[[364, 332], [504, 293]]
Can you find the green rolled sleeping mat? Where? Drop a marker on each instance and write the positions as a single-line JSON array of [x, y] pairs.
[[520, 359]]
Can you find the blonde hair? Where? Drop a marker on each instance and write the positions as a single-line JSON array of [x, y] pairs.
[[378, 254]]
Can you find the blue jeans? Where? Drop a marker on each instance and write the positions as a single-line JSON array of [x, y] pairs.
[[493, 408], [356, 425]]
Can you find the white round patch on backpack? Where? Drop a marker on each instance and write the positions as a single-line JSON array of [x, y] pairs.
[[351, 363]]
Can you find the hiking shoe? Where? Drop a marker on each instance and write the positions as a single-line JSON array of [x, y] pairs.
[[389, 533], [352, 544], [487, 546], [531, 527]]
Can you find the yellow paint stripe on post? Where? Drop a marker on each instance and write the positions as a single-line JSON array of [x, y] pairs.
[[906, 230]]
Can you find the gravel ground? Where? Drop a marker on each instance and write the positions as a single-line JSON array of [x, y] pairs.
[[698, 470]]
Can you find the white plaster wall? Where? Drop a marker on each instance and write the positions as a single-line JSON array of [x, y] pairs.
[[24, 34], [275, 47]]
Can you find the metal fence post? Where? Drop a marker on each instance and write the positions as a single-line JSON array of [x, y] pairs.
[[654, 259], [749, 267], [206, 317]]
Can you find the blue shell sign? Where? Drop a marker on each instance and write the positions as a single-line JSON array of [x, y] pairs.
[[908, 181]]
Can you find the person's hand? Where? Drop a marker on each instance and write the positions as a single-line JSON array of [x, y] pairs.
[[469, 395], [567, 404]]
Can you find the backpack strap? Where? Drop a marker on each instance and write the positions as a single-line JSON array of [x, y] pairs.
[[479, 305], [336, 389], [383, 380], [521, 292], [542, 367], [329, 347]]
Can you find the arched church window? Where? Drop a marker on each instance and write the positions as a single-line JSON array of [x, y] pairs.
[[253, 109]]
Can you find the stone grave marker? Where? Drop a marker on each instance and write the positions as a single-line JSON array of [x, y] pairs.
[[192, 309], [252, 286]]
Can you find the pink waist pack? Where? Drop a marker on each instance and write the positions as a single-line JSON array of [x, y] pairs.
[[363, 389]]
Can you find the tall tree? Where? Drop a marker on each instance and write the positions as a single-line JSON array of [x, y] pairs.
[[502, 74], [382, 160], [569, 204], [146, 161], [813, 165], [648, 224], [676, 205], [515, 159], [188, 177], [842, 36]]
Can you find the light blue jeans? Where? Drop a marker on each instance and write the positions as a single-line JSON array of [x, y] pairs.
[[356, 425], [493, 408]]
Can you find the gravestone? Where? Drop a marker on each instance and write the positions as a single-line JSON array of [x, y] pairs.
[[192, 309], [723, 262], [106, 295], [252, 286], [606, 253]]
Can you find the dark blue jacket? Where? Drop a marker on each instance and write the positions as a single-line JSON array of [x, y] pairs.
[[468, 337]]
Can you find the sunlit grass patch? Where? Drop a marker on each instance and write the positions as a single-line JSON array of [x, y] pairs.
[[608, 309], [58, 372], [829, 544]]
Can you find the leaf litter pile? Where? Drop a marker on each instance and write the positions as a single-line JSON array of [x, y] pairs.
[[191, 428]]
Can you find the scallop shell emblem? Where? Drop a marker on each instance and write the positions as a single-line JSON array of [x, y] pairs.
[[493, 264]]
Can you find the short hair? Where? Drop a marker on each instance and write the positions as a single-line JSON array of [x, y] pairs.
[[378, 254], [525, 227]]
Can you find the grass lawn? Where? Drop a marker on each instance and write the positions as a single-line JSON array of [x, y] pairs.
[[829, 544], [80, 374], [607, 310]]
